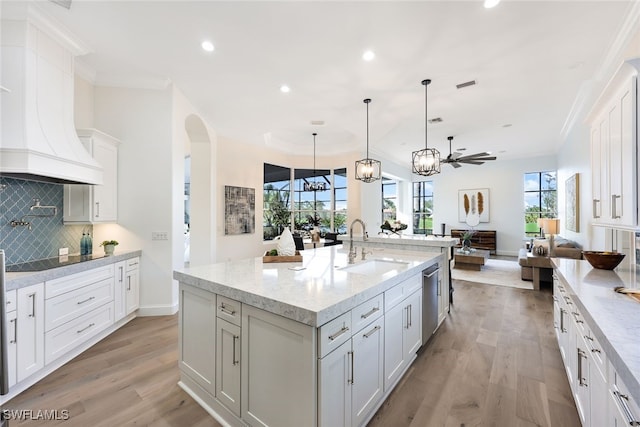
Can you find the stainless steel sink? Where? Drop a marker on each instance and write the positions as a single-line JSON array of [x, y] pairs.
[[375, 267]]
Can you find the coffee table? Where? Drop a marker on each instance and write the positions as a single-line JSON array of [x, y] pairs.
[[471, 261]]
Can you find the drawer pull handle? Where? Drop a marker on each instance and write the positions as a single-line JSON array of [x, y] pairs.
[[371, 332], [595, 350], [373, 310], [595, 208], [133, 264], [86, 300], [225, 310], [623, 398], [350, 381], [581, 380], [235, 339], [86, 327], [340, 332], [33, 305], [15, 331]]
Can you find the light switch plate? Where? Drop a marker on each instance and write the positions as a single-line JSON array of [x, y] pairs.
[[159, 235], [63, 251]]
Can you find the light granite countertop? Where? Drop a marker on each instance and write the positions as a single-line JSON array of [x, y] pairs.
[[313, 291], [613, 318], [22, 279]]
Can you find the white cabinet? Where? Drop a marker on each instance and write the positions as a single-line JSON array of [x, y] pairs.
[[228, 334], [614, 151], [403, 327], [278, 370], [29, 330], [132, 285], [623, 410], [351, 377], [443, 294], [95, 203], [12, 335], [197, 340]]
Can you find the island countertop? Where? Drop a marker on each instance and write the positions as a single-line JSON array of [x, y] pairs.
[[613, 318], [313, 291]]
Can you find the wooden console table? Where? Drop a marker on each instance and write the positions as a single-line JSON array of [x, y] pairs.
[[481, 239]]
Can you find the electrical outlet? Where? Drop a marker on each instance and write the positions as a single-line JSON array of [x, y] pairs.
[[159, 235], [63, 251]]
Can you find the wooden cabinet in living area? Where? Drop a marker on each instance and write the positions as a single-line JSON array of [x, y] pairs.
[[614, 151], [85, 204]]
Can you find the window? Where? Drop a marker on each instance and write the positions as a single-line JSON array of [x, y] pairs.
[[281, 204], [340, 200], [540, 199], [423, 207], [276, 207], [389, 199], [308, 204]]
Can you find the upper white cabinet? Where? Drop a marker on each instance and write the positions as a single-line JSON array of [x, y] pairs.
[[95, 203], [614, 151]]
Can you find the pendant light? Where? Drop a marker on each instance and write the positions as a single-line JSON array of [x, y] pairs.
[[315, 185], [426, 162], [368, 170]]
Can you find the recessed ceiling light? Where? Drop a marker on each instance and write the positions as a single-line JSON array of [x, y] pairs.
[[491, 3], [368, 55], [207, 46], [285, 89], [502, 151]]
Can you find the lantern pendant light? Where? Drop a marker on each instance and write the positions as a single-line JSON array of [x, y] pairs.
[[315, 185], [426, 162], [368, 170]]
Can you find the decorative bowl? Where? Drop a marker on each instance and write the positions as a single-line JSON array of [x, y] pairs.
[[603, 260]]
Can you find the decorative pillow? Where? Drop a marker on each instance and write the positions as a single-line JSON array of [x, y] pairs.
[[561, 242]]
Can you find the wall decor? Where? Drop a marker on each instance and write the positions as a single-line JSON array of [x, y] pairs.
[[572, 203], [239, 210], [473, 206]]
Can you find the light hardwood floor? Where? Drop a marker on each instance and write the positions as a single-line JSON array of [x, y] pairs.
[[494, 362]]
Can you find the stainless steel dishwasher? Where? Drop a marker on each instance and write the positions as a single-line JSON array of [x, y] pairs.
[[429, 302]]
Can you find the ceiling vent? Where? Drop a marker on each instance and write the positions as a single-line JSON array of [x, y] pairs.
[[436, 120], [465, 84]]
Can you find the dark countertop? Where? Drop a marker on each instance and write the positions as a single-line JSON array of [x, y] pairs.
[[74, 264]]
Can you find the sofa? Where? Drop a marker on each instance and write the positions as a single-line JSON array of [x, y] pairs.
[[536, 265]]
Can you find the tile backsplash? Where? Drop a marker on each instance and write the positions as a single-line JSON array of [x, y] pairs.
[[47, 234]]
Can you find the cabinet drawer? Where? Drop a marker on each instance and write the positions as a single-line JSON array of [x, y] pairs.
[[624, 402], [72, 334], [132, 263], [11, 298], [68, 306], [69, 283], [401, 291], [597, 352], [228, 309], [366, 312], [334, 333]]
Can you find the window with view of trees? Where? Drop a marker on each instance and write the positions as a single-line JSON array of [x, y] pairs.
[[325, 209], [276, 206], [423, 207], [389, 199], [540, 199]]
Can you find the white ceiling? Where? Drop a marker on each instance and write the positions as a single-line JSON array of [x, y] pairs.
[[529, 58]]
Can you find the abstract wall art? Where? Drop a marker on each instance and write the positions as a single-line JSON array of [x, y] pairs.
[[239, 210], [473, 206]]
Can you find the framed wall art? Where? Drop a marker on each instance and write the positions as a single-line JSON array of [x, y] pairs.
[[239, 210], [572, 204], [473, 206]]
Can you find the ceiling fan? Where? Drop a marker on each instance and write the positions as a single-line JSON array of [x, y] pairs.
[[455, 159]]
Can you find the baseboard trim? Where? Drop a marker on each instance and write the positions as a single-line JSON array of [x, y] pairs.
[[157, 310]]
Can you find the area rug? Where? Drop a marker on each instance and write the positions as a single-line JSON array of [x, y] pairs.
[[495, 272]]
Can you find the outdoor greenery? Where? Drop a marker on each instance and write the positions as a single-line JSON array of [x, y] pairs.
[[540, 199], [277, 216]]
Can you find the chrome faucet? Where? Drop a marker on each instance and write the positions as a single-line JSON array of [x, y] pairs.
[[352, 251]]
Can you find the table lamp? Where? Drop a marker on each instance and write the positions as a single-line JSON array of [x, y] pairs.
[[541, 226], [551, 227]]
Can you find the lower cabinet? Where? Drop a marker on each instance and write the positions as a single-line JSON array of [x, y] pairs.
[[350, 378], [594, 382], [403, 327], [29, 334], [197, 344], [278, 381], [132, 285], [228, 335]]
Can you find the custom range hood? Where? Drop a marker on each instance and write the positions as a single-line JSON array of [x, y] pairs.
[[39, 141]]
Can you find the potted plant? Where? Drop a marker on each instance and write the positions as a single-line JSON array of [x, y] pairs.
[[109, 246], [466, 239]]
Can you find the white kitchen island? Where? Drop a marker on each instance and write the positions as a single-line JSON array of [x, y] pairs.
[[317, 342]]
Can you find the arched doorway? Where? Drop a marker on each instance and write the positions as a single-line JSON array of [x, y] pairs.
[[199, 194]]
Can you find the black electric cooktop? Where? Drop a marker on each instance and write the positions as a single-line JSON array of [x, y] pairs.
[[49, 263]]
